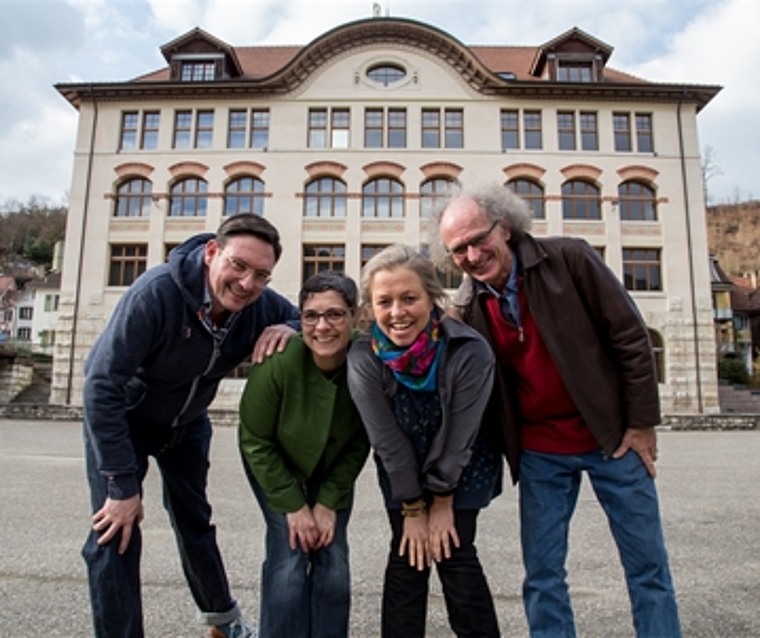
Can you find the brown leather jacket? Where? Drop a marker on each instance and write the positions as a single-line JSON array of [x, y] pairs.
[[592, 329]]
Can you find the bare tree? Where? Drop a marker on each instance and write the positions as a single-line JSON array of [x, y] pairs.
[[710, 168]]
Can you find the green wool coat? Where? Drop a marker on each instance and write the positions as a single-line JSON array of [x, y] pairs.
[[295, 424]]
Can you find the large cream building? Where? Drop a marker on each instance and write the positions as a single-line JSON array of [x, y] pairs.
[[344, 142]]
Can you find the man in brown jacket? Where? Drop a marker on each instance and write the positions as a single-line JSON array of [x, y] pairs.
[[576, 391]]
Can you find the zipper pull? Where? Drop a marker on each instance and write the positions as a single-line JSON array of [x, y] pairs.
[[521, 335]]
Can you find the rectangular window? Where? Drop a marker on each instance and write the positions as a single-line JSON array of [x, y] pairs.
[[621, 124], [644, 141], [431, 128], [150, 123], [48, 303], [396, 128], [260, 128], [574, 71], [129, 122], [25, 312], [128, 262], [566, 130], [532, 125], [183, 129], [373, 128], [589, 133], [24, 334], [641, 269], [237, 128], [454, 133], [510, 129], [341, 121], [317, 258], [204, 129], [198, 71], [369, 251], [317, 128]]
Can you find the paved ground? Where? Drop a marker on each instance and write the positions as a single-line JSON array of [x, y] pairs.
[[709, 486]]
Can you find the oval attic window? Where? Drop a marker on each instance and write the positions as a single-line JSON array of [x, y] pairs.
[[386, 74]]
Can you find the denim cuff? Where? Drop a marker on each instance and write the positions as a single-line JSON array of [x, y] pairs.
[[216, 618]]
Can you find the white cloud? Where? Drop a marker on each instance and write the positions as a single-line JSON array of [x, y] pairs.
[[51, 41]]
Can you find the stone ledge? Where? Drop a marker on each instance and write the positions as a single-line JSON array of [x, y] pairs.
[[229, 418]]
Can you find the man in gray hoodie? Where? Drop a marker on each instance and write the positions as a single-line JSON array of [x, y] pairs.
[[149, 379]]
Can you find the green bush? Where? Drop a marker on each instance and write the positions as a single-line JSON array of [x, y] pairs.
[[734, 371]]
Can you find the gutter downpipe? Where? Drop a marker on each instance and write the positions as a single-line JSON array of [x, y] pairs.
[[690, 251], [80, 259]]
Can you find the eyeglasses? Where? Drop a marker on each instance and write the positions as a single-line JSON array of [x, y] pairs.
[[460, 250], [242, 270], [333, 316]]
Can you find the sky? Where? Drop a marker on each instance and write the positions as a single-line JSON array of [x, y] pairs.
[[46, 42]]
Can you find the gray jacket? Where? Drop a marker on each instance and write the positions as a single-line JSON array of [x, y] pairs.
[[465, 375]]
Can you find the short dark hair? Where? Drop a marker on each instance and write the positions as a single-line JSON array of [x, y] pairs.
[[250, 224], [330, 280]]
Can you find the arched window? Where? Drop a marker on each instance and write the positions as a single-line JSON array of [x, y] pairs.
[[658, 351], [383, 197], [133, 198], [325, 197], [531, 192], [637, 202], [244, 195], [431, 191], [581, 200], [188, 198]]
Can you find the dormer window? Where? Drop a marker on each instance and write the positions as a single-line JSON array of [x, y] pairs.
[[574, 71], [197, 71], [197, 67]]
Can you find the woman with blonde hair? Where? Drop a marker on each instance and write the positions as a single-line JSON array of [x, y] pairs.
[[420, 381]]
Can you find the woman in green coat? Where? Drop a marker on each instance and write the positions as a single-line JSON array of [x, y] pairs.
[[304, 445]]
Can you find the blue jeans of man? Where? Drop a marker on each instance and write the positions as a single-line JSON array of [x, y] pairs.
[[549, 485], [303, 594], [182, 458]]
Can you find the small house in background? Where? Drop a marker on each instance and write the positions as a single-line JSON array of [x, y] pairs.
[[745, 306]]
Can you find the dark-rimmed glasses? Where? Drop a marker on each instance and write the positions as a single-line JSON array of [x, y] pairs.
[[333, 316], [460, 250]]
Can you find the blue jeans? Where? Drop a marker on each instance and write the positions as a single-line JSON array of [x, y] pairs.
[[303, 594], [182, 458], [549, 485]]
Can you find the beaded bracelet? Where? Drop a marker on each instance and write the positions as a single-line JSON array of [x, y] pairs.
[[413, 509]]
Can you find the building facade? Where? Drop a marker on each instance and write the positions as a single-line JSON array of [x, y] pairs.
[[343, 144]]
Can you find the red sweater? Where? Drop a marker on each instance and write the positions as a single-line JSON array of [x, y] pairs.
[[549, 419]]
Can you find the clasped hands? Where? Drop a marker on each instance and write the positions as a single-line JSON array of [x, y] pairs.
[[311, 527], [430, 535]]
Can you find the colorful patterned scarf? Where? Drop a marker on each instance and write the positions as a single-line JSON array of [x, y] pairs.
[[416, 365]]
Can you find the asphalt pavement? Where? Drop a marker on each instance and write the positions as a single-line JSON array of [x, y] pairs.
[[709, 485]]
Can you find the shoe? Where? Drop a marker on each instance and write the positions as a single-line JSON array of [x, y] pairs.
[[238, 628]]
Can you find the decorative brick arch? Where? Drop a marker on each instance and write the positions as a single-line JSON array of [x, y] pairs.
[[378, 169], [189, 168], [244, 168], [581, 171], [334, 169], [638, 172], [514, 171], [441, 169], [133, 168]]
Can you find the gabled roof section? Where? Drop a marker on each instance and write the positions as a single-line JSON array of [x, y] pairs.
[[197, 41], [498, 70], [382, 31], [574, 41]]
